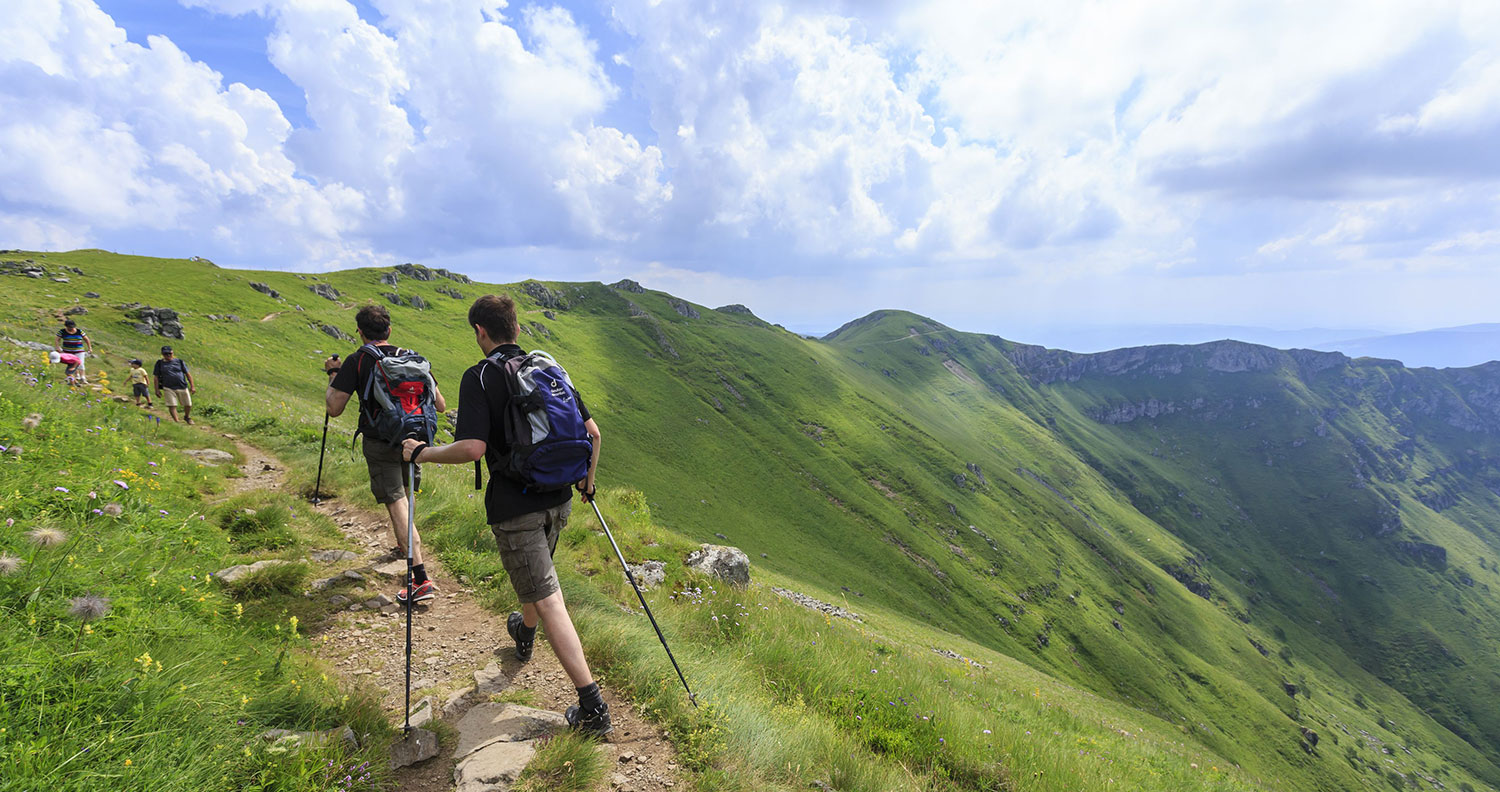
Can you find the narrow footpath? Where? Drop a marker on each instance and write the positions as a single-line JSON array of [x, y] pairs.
[[456, 644]]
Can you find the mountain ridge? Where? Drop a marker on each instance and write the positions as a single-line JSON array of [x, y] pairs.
[[1179, 562]]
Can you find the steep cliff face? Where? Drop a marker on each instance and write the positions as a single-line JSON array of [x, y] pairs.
[[1465, 399]]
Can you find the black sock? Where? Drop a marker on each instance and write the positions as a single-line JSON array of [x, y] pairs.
[[525, 634], [419, 574], [589, 699]]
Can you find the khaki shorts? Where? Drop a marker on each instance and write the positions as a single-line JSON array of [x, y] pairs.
[[526, 546], [388, 478], [178, 397]]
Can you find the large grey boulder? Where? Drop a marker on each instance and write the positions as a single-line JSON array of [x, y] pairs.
[[723, 562], [490, 723], [628, 285]]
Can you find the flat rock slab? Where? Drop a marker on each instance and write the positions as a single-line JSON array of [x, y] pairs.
[[342, 735], [210, 456], [231, 574], [494, 767], [395, 569], [418, 745], [489, 680], [331, 556], [503, 723]]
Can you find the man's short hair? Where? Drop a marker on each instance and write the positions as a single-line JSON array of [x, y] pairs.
[[497, 315], [374, 322]]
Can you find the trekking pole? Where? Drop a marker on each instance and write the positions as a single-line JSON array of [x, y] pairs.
[[411, 516], [324, 447], [691, 698]]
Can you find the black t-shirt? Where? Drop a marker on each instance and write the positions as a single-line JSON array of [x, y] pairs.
[[355, 373], [481, 416], [171, 374]]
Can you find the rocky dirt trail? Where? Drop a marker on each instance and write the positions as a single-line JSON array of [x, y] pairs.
[[461, 655]]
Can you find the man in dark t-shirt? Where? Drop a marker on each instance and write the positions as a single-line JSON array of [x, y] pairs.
[[173, 378], [526, 524], [389, 478]]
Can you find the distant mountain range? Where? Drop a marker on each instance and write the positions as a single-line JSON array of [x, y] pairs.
[[1448, 347]]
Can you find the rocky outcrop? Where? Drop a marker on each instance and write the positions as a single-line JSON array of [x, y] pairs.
[[734, 308], [392, 298], [628, 285], [456, 277], [266, 290], [325, 291], [416, 272], [816, 604], [389, 279], [164, 322], [545, 297], [451, 292], [417, 302], [1189, 575], [1428, 554], [683, 308], [721, 561], [330, 330]]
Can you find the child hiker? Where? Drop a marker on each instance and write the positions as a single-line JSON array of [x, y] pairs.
[[138, 380]]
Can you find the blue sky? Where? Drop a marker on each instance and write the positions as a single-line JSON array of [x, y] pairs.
[[1021, 168]]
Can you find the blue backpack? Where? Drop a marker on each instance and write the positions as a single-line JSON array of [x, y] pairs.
[[549, 445]]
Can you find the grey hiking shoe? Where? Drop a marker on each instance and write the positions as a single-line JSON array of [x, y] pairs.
[[592, 724], [513, 625]]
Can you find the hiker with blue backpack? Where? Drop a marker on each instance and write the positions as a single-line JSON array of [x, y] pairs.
[[520, 412], [398, 398]]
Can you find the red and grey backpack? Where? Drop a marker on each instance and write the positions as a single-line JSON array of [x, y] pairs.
[[398, 396], [549, 445]]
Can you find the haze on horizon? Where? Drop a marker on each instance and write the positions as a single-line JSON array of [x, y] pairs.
[[1022, 169]]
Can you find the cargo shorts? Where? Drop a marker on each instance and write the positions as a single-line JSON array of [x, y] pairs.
[[526, 546], [388, 473]]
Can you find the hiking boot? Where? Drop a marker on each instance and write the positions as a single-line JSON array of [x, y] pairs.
[[513, 625], [591, 724], [421, 593]]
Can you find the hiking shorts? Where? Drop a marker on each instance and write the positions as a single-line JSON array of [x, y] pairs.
[[139, 389], [388, 473], [526, 546], [178, 397]]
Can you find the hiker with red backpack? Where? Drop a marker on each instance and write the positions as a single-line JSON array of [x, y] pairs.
[[398, 398], [521, 414]]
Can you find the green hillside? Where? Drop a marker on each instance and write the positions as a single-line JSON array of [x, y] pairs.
[[1223, 553]]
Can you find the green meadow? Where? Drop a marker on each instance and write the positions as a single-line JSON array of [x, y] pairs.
[[1060, 586]]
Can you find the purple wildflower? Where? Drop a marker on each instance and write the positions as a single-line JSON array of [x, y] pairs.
[[59, 489], [122, 484]]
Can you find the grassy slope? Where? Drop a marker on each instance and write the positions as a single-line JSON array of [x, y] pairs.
[[837, 460], [170, 688]]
